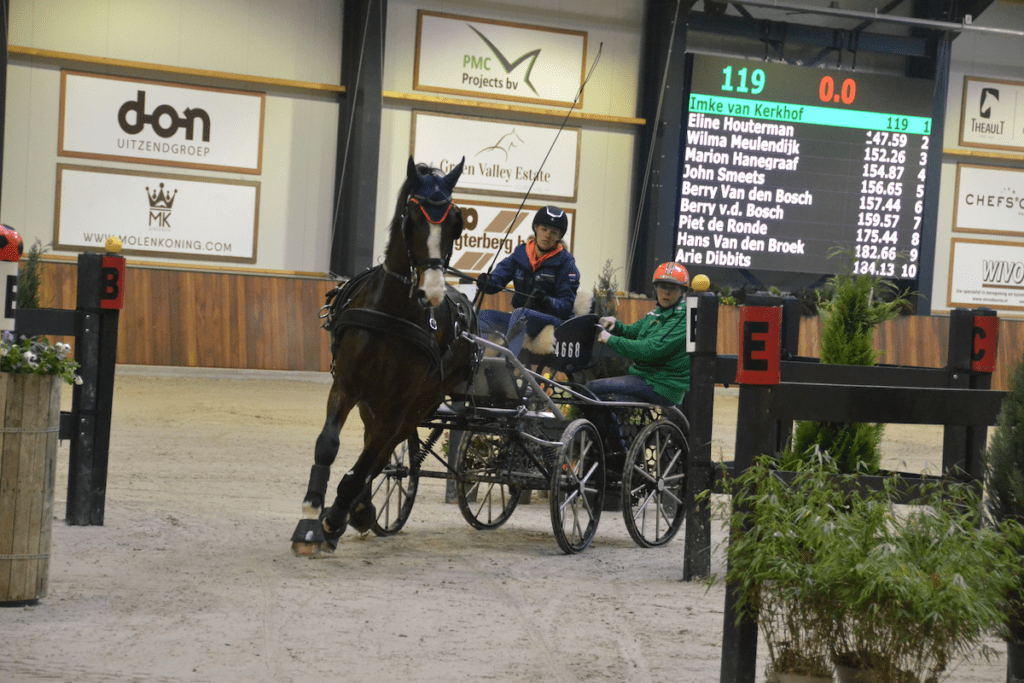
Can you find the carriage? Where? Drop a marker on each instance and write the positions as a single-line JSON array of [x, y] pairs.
[[406, 356], [515, 429]]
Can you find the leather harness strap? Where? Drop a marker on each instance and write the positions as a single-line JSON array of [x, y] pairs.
[[375, 321]]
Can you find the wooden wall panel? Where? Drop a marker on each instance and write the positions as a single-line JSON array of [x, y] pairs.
[[229, 320]]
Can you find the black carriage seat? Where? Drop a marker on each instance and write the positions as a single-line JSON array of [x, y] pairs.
[[492, 382], [569, 349]]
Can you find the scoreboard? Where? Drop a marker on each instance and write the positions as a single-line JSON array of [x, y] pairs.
[[782, 164]]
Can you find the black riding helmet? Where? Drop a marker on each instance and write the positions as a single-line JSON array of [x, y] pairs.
[[553, 216]]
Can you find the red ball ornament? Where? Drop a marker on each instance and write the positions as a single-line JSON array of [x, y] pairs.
[[11, 246]]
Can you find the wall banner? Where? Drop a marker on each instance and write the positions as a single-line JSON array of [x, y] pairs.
[[485, 226], [986, 273], [156, 214], [498, 59], [502, 157], [989, 199], [992, 114], [148, 122]]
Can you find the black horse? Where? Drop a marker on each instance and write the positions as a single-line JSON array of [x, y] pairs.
[[397, 350]]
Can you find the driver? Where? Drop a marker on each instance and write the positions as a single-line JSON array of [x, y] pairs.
[[545, 277]]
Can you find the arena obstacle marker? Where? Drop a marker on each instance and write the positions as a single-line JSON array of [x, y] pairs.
[[93, 324], [956, 396]]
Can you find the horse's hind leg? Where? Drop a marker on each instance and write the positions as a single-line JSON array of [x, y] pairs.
[[353, 505]]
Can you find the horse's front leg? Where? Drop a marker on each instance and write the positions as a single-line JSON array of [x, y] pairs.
[[308, 538]]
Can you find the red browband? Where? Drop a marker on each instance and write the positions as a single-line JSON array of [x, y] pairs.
[[440, 220]]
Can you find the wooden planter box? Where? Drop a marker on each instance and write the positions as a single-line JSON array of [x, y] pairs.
[[29, 424]]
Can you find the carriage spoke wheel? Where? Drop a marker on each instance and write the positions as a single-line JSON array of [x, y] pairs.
[[577, 487], [485, 495], [393, 491], [654, 484]]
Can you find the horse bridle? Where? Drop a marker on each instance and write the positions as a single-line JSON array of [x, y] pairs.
[[426, 264]]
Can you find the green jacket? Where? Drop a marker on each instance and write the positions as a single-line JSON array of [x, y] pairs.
[[657, 346]]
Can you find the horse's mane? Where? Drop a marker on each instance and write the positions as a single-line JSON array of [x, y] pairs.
[[400, 203]]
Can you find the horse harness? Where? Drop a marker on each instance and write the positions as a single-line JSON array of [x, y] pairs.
[[338, 316]]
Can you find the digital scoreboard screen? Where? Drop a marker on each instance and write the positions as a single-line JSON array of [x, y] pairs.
[[782, 164]]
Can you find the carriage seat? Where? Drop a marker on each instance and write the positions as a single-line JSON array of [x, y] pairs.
[[492, 384]]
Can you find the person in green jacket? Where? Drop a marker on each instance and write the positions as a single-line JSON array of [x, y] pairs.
[[656, 344]]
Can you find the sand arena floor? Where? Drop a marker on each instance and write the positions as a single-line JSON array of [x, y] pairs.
[[191, 577]]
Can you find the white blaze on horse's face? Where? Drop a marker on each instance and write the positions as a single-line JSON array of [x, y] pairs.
[[432, 281]]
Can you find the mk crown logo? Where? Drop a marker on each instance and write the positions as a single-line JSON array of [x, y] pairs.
[[160, 204], [509, 66], [161, 200]]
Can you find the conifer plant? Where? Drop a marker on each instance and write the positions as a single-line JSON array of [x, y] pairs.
[[859, 304], [1004, 474]]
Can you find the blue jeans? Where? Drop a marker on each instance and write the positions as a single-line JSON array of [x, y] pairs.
[[626, 388], [621, 388], [507, 323]]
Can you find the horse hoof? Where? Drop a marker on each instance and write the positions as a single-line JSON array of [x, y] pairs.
[[306, 549], [307, 538], [362, 518]]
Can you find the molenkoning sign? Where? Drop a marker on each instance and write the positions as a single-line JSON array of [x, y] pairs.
[[498, 59], [123, 119], [502, 157], [154, 214], [992, 114]]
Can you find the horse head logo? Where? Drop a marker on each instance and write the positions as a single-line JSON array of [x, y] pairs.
[[504, 144], [984, 109]]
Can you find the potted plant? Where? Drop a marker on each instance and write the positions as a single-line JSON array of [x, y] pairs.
[[1004, 475], [777, 531], [838, 574], [917, 587], [31, 372]]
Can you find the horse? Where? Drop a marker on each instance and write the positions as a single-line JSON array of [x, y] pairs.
[[397, 350]]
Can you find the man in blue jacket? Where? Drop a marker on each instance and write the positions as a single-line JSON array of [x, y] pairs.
[[545, 278]]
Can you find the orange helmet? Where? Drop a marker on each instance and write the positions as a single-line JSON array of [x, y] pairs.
[[672, 273]]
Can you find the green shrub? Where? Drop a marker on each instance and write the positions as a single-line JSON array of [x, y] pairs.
[[859, 303], [839, 575], [29, 279]]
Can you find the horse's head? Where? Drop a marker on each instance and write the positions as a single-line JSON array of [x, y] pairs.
[[432, 224]]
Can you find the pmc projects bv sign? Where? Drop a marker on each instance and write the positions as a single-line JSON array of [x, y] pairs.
[[498, 59], [148, 122]]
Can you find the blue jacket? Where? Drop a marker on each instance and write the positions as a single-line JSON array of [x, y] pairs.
[[557, 278]]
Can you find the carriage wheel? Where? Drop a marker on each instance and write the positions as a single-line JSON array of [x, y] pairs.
[[577, 487], [393, 491], [654, 484], [486, 497]]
